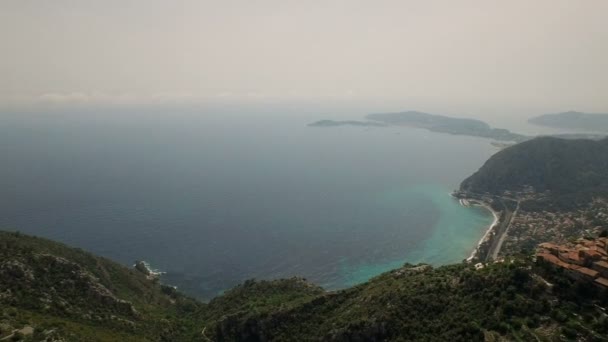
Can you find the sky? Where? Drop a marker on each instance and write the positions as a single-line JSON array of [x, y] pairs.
[[469, 56]]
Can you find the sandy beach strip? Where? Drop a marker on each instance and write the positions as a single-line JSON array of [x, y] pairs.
[[490, 228]]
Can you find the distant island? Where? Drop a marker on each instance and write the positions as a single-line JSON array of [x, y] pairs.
[[573, 120], [432, 122], [473, 127], [446, 124], [333, 123]]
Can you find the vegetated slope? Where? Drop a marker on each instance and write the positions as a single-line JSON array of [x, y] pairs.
[[70, 295], [573, 171], [452, 303], [574, 120]]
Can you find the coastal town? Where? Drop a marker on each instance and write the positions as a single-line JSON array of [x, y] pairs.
[[574, 242], [528, 229], [517, 230]]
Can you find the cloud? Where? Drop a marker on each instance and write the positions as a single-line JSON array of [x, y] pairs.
[[96, 98], [63, 98], [104, 98]]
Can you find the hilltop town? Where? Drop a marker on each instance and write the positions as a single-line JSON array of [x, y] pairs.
[[583, 259]]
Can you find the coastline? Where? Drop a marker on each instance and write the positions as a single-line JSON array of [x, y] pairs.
[[490, 229], [468, 202]]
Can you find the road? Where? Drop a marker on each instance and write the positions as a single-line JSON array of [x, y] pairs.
[[502, 233]]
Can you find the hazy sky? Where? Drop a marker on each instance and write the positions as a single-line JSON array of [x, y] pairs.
[[466, 54]]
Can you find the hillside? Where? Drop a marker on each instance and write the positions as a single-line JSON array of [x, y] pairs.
[[53, 292], [569, 172], [574, 120], [451, 303], [68, 294]]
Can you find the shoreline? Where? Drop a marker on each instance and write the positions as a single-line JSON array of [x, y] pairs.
[[490, 229]]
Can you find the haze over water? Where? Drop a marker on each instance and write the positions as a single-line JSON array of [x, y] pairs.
[[218, 198]]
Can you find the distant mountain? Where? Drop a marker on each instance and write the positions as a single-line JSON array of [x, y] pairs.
[[573, 171], [445, 124], [574, 120]]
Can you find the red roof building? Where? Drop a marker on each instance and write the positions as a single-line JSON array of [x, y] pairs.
[[601, 282], [586, 273], [602, 267]]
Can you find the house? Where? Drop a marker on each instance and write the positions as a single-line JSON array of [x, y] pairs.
[[584, 273], [590, 255], [574, 258], [602, 282], [551, 247], [602, 267], [551, 259]]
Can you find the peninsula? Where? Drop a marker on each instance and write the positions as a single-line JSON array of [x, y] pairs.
[[333, 123], [451, 125], [431, 122], [446, 124], [574, 120]]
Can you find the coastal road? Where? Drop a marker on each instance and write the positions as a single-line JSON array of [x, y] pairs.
[[502, 233]]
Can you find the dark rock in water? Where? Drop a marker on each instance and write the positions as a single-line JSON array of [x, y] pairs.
[[142, 267]]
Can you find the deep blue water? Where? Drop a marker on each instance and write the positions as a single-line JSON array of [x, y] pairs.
[[215, 199]]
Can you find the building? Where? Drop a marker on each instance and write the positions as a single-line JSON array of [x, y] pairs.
[[584, 260], [601, 267]]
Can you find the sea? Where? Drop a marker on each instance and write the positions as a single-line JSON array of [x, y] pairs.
[[214, 198]]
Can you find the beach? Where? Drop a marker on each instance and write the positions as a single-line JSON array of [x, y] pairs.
[[490, 228]]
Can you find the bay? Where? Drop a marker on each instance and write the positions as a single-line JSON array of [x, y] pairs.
[[213, 199]]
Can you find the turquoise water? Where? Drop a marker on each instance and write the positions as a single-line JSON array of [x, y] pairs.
[[215, 198], [452, 239]]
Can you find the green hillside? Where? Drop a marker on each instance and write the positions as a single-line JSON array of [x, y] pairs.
[[571, 171], [68, 293], [61, 293]]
